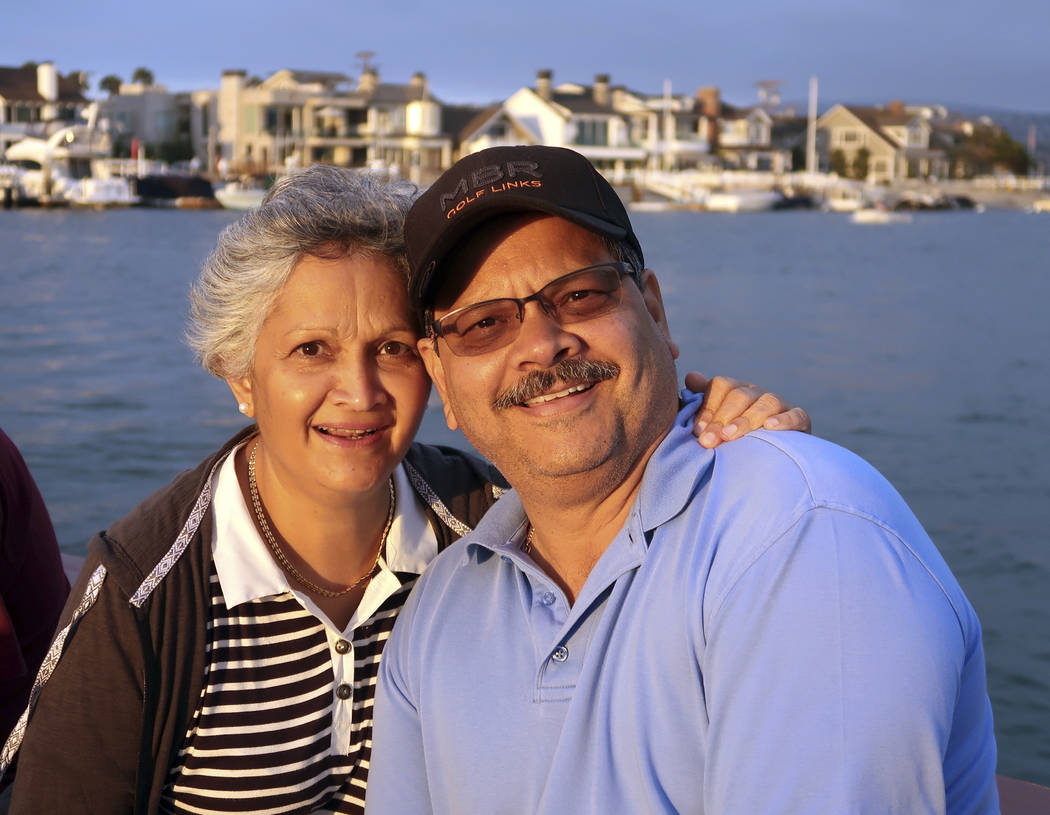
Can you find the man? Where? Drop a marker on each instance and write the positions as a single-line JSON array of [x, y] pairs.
[[643, 625]]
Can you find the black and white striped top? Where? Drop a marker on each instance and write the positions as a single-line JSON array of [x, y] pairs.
[[284, 722]]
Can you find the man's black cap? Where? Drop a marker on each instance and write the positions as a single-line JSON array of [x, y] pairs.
[[501, 180]]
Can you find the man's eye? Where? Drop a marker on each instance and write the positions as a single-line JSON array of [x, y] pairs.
[[481, 326], [580, 294]]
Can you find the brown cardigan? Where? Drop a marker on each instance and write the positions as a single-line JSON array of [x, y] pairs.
[[111, 718]]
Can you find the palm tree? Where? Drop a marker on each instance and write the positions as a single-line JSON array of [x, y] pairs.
[[143, 76], [110, 83]]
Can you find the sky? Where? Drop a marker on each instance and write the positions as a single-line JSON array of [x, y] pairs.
[[954, 52]]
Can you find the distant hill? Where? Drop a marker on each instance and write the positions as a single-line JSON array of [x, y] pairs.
[[1017, 125]]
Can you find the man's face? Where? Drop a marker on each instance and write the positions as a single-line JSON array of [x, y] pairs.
[[580, 422]]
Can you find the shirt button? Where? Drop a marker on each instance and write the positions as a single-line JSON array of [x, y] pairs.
[[344, 692], [561, 653], [548, 598], [342, 646]]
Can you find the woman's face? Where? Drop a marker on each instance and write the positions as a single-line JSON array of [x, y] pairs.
[[337, 387]]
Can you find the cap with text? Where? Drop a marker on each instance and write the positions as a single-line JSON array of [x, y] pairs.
[[501, 180]]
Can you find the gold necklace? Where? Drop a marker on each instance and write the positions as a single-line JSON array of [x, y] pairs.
[[282, 558], [530, 539]]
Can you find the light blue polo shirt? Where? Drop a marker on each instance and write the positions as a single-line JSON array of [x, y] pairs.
[[772, 631]]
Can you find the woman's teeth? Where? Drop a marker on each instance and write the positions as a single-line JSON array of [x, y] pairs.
[[344, 434]]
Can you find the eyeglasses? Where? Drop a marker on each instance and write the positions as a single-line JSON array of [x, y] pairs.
[[572, 298]]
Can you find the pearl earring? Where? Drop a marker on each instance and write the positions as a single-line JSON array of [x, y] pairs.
[[242, 407]]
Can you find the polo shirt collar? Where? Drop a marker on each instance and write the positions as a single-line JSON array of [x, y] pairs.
[[667, 485], [674, 468]]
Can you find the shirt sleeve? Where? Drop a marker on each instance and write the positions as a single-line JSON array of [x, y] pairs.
[[397, 775], [835, 672], [83, 744]]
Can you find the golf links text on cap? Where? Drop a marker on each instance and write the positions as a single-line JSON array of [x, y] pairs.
[[485, 179]]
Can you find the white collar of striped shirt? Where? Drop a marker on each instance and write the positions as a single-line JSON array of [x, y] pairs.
[[247, 570]]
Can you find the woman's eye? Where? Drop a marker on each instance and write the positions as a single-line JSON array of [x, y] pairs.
[[394, 348], [310, 349]]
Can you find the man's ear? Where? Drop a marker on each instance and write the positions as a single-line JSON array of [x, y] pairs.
[[242, 392], [654, 304], [427, 348]]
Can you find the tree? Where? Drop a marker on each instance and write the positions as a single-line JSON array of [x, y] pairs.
[[838, 163], [110, 83], [860, 163], [143, 76]]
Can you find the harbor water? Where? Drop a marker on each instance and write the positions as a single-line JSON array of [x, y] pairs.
[[923, 347]]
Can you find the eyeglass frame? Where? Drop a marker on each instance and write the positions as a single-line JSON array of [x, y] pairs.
[[435, 331]]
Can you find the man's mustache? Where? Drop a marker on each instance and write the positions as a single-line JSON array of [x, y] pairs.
[[582, 371]]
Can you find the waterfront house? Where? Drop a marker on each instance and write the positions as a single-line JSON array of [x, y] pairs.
[[895, 143], [298, 118], [745, 140], [36, 100], [149, 116], [580, 117], [621, 131]]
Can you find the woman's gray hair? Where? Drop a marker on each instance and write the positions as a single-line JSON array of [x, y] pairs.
[[325, 211]]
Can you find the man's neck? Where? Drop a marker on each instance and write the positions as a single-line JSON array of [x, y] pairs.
[[575, 518]]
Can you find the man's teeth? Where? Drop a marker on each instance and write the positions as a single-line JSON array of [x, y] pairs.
[[346, 434], [550, 397]]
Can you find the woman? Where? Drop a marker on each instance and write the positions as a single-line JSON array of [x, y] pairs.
[[226, 634]]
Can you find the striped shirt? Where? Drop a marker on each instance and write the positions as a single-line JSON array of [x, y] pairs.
[[284, 721]]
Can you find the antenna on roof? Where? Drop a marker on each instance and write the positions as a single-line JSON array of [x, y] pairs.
[[769, 93], [365, 58]]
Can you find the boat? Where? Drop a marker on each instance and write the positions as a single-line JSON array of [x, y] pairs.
[[69, 167], [176, 190], [844, 198], [1041, 205], [240, 195], [102, 193], [879, 215], [742, 201]]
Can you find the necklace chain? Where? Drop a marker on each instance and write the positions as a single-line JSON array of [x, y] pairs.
[[530, 539], [253, 488]]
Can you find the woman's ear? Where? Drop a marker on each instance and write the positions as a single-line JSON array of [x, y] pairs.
[[242, 392]]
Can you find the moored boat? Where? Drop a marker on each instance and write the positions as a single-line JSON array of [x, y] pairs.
[[240, 195], [879, 215], [742, 201]]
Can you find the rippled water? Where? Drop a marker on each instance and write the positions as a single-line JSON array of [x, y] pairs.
[[922, 346]]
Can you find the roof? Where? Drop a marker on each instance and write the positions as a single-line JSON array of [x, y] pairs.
[[398, 94], [324, 77], [880, 117], [462, 120], [582, 102], [20, 85]]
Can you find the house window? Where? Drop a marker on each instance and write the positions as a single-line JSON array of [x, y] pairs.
[[849, 137], [592, 131], [498, 131], [270, 120]]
